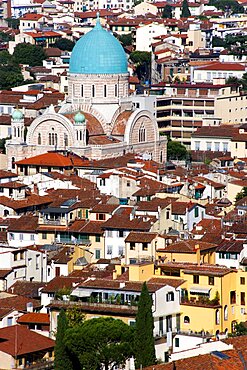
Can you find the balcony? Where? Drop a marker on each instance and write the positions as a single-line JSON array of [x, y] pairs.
[[53, 222]]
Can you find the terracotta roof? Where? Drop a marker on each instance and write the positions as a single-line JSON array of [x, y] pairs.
[[104, 208], [233, 361], [30, 201], [18, 302], [13, 185], [191, 268], [217, 66], [138, 237], [92, 123], [231, 246], [34, 317], [7, 174], [28, 289], [180, 208], [26, 223], [154, 204], [189, 246], [4, 273], [18, 340], [86, 227], [60, 282], [52, 159], [121, 220], [31, 17]]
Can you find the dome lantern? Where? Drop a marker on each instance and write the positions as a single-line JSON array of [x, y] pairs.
[[79, 118]]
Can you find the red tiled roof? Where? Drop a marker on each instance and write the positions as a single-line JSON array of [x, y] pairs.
[[140, 237], [34, 317], [52, 159], [189, 246], [18, 302], [217, 66], [17, 340], [28, 289], [31, 17]]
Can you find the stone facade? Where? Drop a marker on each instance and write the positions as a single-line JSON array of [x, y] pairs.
[[112, 126]]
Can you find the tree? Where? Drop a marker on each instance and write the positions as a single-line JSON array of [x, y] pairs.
[[126, 40], [13, 23], [228, 6], [241, 194], [100, 343], [232, 80], [167, 12], [244, 81], [144, 340], [64, 44], [26, 53], [5, 37], [185, 10], [5, 57], [176, 150], [74, 316], [10, 76], [240, 329], [62, 358], [142, 61], [218, 41]]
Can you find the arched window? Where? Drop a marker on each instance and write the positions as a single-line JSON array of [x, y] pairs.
[[105, 91], [225, 312], [82, 90], [66, 141], [50, 139], [18, 132], [14, 132], [217, 317], [142, 134], [13, 163], [93, 91], [39, 138], [186, 320], [116, 90]]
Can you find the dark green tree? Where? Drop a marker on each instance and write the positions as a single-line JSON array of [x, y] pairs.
[[13, 23], [126, 40], [144, 339], [26, 53], [185, 10], [5, 57], [241, 194], [167, 11], [64, 44], [232, 80], [218, 41], [142, 61], [100, 343], [10, 76], [176, 150], [240, 329], [244, 82], [228, 6], [5, 37], [62, 357]]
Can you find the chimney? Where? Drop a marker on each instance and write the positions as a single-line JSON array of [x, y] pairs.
[[114, 275]]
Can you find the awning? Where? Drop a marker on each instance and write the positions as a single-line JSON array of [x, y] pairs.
[[199, 290]]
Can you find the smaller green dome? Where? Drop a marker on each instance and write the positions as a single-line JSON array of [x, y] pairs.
[[79, 117], [17, 114]]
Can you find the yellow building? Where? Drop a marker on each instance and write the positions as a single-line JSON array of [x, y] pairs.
[[213, 297], [194, 251]]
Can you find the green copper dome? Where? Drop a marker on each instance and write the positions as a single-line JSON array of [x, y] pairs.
[[79, 117], [98, 52], [17, 114]]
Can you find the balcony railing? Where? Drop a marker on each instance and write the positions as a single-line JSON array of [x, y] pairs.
[[48, 365]]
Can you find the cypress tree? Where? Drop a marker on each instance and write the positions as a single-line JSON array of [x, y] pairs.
[[185, 10], [62, 358], [144, 339]]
